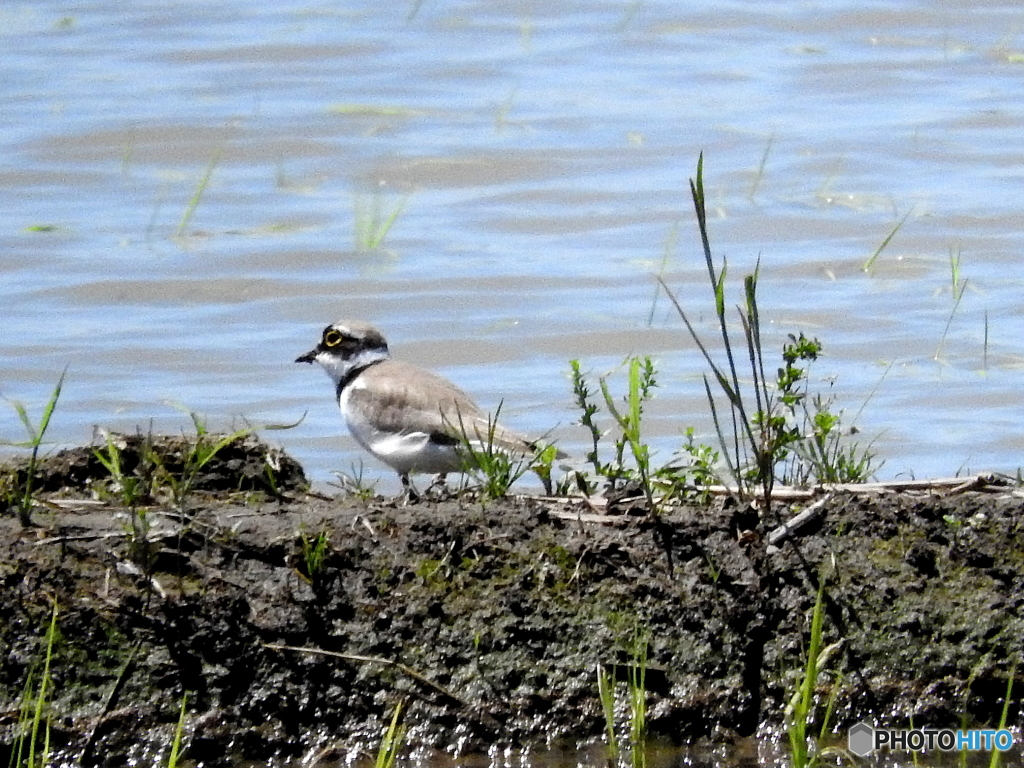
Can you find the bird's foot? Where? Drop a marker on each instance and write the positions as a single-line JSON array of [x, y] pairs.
[[409, 494], [438, 489]]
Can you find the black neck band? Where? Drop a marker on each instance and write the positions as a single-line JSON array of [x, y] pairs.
[[351, 375]]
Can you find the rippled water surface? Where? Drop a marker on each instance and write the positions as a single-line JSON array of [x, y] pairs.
[[539, 154]]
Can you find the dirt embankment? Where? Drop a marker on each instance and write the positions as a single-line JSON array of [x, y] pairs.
[[489, 620]]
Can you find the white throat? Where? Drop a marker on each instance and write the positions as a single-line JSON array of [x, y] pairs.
[[340, 369]]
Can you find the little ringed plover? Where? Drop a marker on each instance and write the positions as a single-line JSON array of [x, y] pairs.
[[411, 419]]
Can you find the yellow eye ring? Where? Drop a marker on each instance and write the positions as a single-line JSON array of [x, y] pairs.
[[332, 338]]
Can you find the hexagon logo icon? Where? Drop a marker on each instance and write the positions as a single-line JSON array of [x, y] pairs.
[[861, 739]]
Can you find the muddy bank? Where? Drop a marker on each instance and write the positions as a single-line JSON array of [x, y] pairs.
[[488, 620]]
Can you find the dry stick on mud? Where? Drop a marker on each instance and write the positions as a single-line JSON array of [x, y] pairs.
[[406, 670]]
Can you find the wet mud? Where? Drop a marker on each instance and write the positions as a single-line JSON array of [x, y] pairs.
[[295, 623]]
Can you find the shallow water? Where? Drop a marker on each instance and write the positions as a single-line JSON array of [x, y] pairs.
[[541, 152]]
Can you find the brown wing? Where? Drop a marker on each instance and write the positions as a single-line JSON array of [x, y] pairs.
[[400, 397]]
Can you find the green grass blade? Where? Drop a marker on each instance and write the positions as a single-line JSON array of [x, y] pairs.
[[606, 693], [172, 760], [871, 261], [197, 196], [669, 249], [391, 744], [26, 422], [44, 682], [756, 185], [44, 422], [996, 757]]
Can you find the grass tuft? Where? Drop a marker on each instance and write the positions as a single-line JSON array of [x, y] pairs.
[[393, 739], [33, 714], [23, 500], [493, 466], [372, 223], [763, 422], [200, 452], [606, 693], [315, 548]]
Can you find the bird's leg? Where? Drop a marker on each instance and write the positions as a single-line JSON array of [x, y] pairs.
[[409, 493]]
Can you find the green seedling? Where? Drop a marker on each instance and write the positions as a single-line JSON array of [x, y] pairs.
[[354, 483], [641, 382], [34, 714], [502, 113], [606, 693], [698, 467], [800, 713], [23, 500], [666, 257], [759, 176], [813, 442], [393, 739], [132, 487], [200, 452], [628, 417], [315, 549], [589, 409], [996, 758], [179, 730], [636, 703], [372, 223], [493, 466], [748, 447], [984, 348], [637, 685]]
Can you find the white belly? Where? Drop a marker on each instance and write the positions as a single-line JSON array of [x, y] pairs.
[[405, 452]]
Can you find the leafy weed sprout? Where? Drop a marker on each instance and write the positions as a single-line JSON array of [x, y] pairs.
[[23, 499], [628, 419], [693, 471]]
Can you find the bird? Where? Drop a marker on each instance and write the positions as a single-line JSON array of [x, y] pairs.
[[411, 419]]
